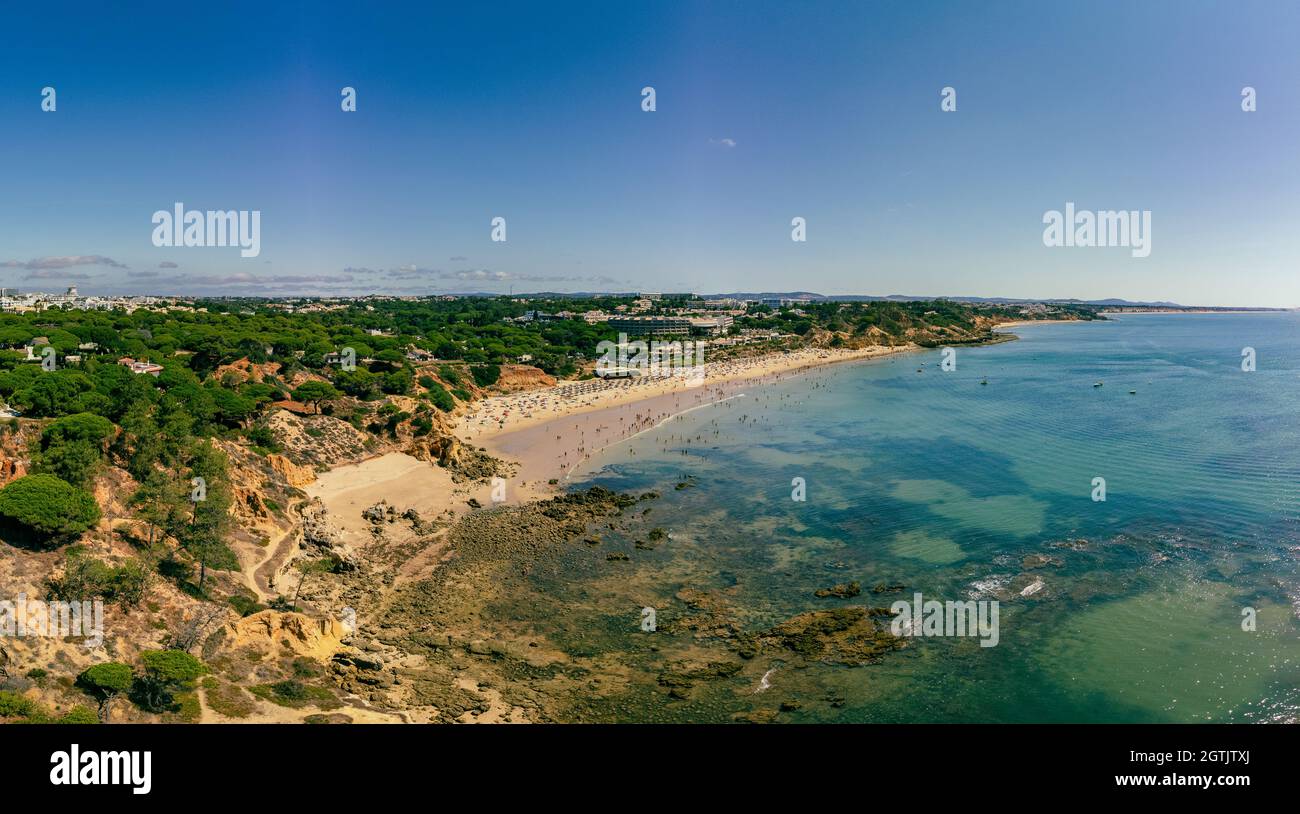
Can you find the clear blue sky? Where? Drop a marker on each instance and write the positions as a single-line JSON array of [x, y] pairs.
[[766, 111]]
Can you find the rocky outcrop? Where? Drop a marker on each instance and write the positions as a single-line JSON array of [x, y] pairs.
[[517, 378], [13, 451], [849, 636], [242, 370], [249, 504], [319, 532], [358, 669], [465, 462], [843, 590], [11, 469], [292, 473], [318, 440], [381, 512], [276, 634]]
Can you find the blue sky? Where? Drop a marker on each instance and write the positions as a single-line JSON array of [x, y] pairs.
[[766, 111]]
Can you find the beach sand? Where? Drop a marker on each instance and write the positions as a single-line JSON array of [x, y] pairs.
[[549, 433]]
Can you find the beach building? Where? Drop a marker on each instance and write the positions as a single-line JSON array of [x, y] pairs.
[[138, 367], [671, 325]]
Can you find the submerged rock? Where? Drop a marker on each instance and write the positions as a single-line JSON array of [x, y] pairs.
[[1032, 561], [843, 590], [685, 676], [847, 636], [763, 715]]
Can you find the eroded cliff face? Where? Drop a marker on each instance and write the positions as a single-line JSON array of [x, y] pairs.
[[14, 440], [267, 662], [441, 447], [272, 634], [320, 441], [518, 378], [314, 443], [243, 370]]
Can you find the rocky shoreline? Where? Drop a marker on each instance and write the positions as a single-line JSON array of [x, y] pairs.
[[513, 624]]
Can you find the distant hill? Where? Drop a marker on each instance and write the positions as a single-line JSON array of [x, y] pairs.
[[913, 298], [1109, 302]]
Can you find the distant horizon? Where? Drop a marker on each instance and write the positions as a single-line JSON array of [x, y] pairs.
[[793, 294]]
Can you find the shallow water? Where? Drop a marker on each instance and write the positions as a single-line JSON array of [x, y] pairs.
[[936, 481]]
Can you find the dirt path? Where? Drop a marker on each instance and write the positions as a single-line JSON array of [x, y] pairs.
[[277, 555], [267, 713]]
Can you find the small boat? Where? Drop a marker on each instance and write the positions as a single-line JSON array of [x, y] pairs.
[[984, 381], [1132, 392], [1096, 384]]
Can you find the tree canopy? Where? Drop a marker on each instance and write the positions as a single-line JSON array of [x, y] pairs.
[[48, 506]]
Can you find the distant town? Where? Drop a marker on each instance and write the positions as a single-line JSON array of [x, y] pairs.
[[638, 312]]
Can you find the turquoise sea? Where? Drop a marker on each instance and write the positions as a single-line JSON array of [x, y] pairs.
[[962, 489]]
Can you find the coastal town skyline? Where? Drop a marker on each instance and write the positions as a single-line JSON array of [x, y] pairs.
[[17, 300]]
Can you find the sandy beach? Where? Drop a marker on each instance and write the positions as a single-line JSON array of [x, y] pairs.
[[549, 433], [1022, 322], [500, 415], [404, 482]]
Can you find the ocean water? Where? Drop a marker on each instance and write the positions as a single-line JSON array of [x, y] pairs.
[[961, 489]]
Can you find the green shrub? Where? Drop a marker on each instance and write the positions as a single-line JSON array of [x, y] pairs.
[[85, 577], [105, 682], [293, 693], [485, 375], [304, 667], [79, 715], [186, 709], [13, 705], [106, 678], [48, 506], [165, 673], [449, 375], [245, 605], [440, 397], [227, 699], [264, 438]]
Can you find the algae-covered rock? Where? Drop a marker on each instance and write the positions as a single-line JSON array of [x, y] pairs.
[[686, 676], [848, 636], [843, 590]]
